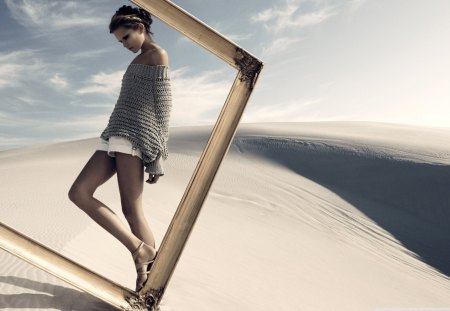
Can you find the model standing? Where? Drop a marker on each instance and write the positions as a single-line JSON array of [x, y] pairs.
[[135, 139]]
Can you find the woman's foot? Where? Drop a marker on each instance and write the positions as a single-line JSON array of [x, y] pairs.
[[143, 256]]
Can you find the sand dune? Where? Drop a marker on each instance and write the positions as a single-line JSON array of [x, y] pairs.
[[301, 216]]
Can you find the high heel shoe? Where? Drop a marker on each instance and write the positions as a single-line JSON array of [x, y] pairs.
[[142, 268]]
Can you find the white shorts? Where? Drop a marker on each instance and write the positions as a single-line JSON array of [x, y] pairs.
[[119, 144]]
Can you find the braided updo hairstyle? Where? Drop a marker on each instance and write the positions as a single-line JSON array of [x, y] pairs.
[[130, 17]]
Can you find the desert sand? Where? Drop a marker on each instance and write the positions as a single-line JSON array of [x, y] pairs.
[[301, 216]]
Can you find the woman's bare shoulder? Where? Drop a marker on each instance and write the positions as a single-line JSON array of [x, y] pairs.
[[158, 56]]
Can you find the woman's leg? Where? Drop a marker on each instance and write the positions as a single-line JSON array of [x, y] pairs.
[[130, 177], [96, 172]]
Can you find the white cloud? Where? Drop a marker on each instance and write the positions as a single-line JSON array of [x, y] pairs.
[[50, 15], [104, 83], [312, 18], [264, 16], [27, 100], [198, 99], [18, 66], [292, 17], [58, 81], [87, 54], [9, 74], [278, 46], [10, 120], [16, 56]]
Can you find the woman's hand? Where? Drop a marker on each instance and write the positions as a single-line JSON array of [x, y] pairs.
[[152, 178]]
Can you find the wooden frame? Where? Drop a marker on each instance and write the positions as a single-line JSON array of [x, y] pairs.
[[175, 239]]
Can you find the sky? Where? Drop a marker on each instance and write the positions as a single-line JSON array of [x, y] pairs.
[[324, 60]]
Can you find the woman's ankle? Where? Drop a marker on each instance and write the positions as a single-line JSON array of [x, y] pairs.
[[147, 252]]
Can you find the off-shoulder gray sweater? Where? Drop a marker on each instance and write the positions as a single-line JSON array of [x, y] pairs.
[[142, 113]]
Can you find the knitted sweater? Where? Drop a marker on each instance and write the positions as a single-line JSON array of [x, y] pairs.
[[142, 113]]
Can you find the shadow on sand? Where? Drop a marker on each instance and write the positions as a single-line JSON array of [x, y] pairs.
[[51, 296], [415, 197]]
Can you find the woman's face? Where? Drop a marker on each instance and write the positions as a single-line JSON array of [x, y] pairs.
[[130, 38]]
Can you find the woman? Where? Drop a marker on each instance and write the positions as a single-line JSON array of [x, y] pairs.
[[136, 137]]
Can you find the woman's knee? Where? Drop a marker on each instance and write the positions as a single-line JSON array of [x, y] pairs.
[[77, 194], [96, 172]]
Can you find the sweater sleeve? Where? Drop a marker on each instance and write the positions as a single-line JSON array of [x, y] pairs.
[[162, 99], [155, 167]]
